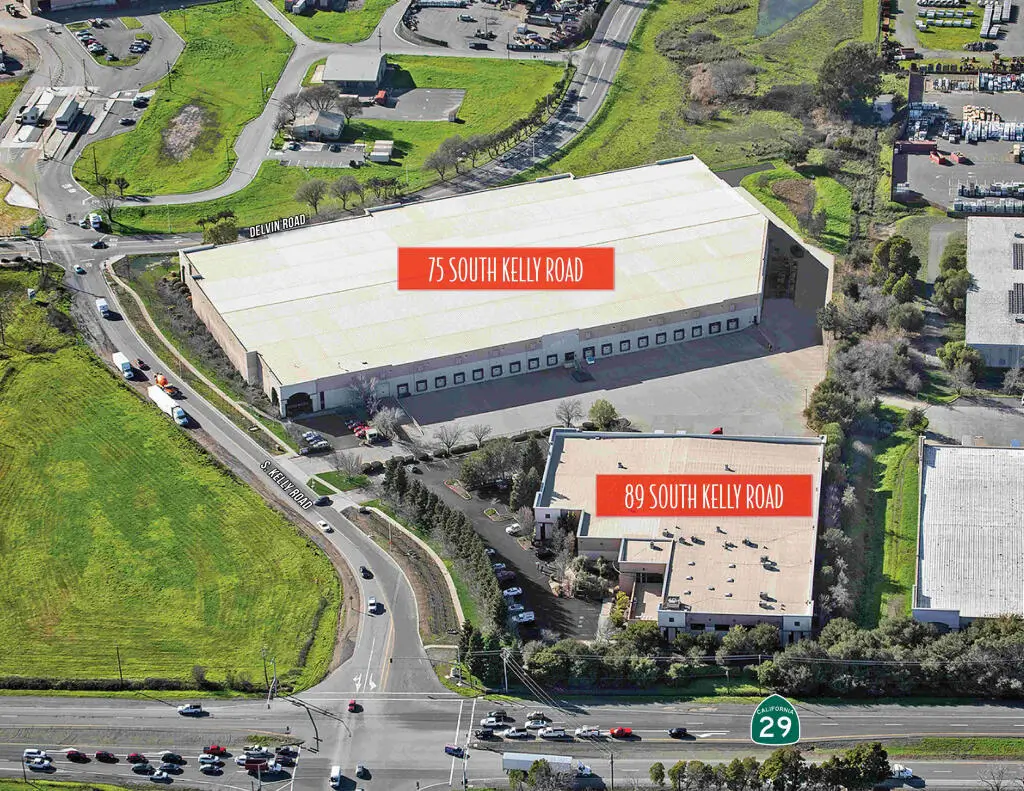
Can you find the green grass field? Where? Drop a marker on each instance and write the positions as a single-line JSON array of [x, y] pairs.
[[948, 748], [952, 38], [131, 22], [497, 93], [9, 90], [641, 120], [344, 482], [119, 531], [344, 27], [218, 79]]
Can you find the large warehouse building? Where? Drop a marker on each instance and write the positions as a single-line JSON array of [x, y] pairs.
[[307, 313], [709, 571], [995, 306], [970, 542]]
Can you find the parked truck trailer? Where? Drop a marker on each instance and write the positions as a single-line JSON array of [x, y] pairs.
[[167, 405], [560, 764], [124, 364]]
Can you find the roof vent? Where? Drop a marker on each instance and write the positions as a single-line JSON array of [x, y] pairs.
[[730, 579], [692, 563], [686, 593], [732, 565], [711, 587], [728, 595], [690, 577]]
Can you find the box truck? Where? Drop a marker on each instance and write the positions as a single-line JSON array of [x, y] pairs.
[[167, 405], [103, 307], [560, 764], [124, 364]]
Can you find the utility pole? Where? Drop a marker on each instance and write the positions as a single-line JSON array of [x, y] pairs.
[[611, 762], [504, 666], [119, 673], [169, 86], [95, 168], [263, 91], [273, 662], [380, 40], [266, 678]]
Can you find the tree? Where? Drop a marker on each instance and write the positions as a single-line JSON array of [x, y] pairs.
[[516, 779], [797, 149], [893, 258], [603, 414], [475, 146], [343, 188], [349, 106], [955, 353], [107, 199], [122, 184], [961, 377], [448, 436], [950, 293], [479, 432], [524, 489], [644, 636], [540, 774], [387, 420], [347, 463], [401, 482], [849, 75], [903, 289], [312, 192], [869, 764], [1013, 381], [365, 388], [657, 774], [441, 161], [677, 775], [828, 318], [319, 97], [830, 402], [785, 768], [906, 317], [915, 419], [533, 457], [569, 411], [222, 231], [290, 104], [282, 119]]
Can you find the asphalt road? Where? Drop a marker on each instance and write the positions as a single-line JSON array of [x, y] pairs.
[[401, 738]]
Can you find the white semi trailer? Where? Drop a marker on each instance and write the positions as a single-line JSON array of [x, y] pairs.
[[167, 405]]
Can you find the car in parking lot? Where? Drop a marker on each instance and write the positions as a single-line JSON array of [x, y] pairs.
[[515, 733], [335, 148], [505, 575], [513, 529], [127, 121], [215, 749], [515, 607], [206, 758], [240, 760], [498, 566], [525, 617], [106, 757], [172, 758], [588, 732], [143, 769], [620, 733], [535, 725], [362, 771], [510, 592], [324, 526], [77, 756], [483, 733], [169, 767], [210, 769], [552, 733], [677, 733], [256, 751], [160, 777], [492, 722], [489, 550]]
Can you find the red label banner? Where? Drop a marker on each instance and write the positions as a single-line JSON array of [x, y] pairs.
[[705, 495], [506, 268]]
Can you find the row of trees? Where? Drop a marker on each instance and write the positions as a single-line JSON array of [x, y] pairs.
[[316, 97], [345, 188], [454, 532], [903, 657]]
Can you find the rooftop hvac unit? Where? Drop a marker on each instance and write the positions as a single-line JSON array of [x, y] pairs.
[[672, 602]]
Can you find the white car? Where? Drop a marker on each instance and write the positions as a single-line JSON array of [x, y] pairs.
[[190, 708], [34, 752], [491, 722], [371, 605], [902, 772], [213, 760], [513, 529], [588, 732], [324, 526], [160, 777], [489, 550], [40, 764], [239, 760], [510, 592], [552, 733], [498, 566], [535, 725], [515, 607], [525, 617], [515, 733]]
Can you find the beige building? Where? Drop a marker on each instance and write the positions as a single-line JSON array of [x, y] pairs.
[[319, 125], [702, 572]]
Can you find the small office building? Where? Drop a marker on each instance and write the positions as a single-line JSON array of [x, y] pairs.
[[357, 72]]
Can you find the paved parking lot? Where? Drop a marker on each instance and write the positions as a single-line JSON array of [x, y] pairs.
[[319, 155], [115, 37], [416, 104], [444, 24], [732, 381]]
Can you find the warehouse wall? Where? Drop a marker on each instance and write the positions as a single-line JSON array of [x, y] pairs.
[[218, 328]]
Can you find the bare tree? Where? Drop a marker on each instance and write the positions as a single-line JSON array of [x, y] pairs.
[[995, 778], [524, 516], [349, 106], [365, 389], [290, 105], [569, 411], [441, 160], [961, 377], [448, 435], [348, 463], [107, 199], [320, 97], [283, 119], [343, 188], [387, 420], [479, 432], [312, 192]]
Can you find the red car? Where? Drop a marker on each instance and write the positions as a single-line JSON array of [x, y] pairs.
[[620, 733], [353, 706], [215, 749], [77, 756], [717, 430], [106, 757], [137, 758]]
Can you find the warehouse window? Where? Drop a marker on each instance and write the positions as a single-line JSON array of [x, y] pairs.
[[495, 370], [478, 374], [459, 378], [623, 346], [660, 338], [588, 352], [570, 356], [678, 335], [606, 348], [421, 385], [642, 342], [552, 359], [533, 363], [715, 327], [514, 368], [697, 627], [697, 331], [440, 381], [732, 324], [403, 391], [721, 627]]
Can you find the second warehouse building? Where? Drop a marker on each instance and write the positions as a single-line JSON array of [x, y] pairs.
[[306, 314]]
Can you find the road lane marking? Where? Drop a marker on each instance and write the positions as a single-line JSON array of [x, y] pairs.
[[458, 727]]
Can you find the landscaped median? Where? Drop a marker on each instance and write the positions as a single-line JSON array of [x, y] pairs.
[[184, 140], [498, 93]]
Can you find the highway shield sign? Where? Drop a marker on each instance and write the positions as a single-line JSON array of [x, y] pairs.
[[775, 722]]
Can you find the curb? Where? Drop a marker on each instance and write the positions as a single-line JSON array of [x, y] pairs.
[[109, 267], [433, 555]]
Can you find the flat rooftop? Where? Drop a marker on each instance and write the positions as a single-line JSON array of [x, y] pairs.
[[323, 300], [352, 67], [570, 483], [971, 542], [993, 252]]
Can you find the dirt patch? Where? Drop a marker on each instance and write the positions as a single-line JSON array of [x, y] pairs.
[[433, 600], [797, 194], [184, 131]]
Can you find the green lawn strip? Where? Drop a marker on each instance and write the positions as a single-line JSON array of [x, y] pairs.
[[949, 748], [344, 482], [169, 694], [13, 217], [319, 486], [936, 388], [75, 26], [345, 27], [469, 608], [471, 687], [497, 93], [144, 284], [157, 344], [899, 561], [916, 228], [131, 22], [218, 78], [869, 20], [834, 199], [641, 119], [9, 90], [952, 38], [308, 79], [126, 61], [128, 534]]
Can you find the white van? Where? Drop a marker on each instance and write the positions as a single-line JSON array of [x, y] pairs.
[[336, 776]]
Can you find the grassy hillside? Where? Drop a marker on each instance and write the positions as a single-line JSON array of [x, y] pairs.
[[341, 26], [184, 141], [119, 531]]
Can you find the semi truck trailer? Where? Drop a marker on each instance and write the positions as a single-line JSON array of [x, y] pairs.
[[167, 405], [560, 764]]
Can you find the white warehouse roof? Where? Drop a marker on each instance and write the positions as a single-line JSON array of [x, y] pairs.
[[995, 259], [323, 300], [971, 546], [352, 67]]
